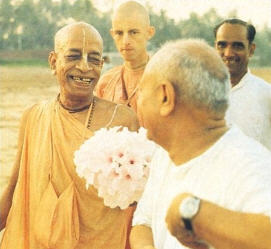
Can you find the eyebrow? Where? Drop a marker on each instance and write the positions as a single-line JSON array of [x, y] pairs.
[[75, 50], [234, 42], [221, 42], [133, 30], [238, 43], [119, 30]]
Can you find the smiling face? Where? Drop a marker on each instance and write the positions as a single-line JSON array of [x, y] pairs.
[[234, 48], [77, 60]]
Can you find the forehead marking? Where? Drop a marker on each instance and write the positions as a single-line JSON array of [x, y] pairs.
[[84, 55]]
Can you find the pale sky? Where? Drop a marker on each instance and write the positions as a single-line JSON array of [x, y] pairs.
[[256, 11]]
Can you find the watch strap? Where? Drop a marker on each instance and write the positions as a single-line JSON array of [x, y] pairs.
[[187, 224]]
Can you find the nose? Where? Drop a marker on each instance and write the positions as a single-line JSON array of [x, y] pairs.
[[83, 65], [126, 39], [228, 52]]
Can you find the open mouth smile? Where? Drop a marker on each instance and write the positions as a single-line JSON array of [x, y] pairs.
[[82, 80]]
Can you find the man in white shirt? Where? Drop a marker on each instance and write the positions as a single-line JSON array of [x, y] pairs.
[[211, 186], [250, 100]]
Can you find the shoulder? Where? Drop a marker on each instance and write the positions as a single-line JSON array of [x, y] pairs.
[[36, 109], [113, 72], [116, 114], [31, 115], [259, 82], [244, 153]]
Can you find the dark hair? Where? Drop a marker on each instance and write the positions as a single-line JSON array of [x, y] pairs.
[[251, 31]]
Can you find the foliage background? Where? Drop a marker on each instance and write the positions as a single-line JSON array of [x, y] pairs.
[[27, 28]]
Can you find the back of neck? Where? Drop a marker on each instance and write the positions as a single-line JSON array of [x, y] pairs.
[[195, 145]]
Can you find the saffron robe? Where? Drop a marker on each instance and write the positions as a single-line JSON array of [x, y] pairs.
[[51, 206], [119, 85]]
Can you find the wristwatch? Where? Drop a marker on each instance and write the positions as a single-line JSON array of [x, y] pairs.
[[188, 210]]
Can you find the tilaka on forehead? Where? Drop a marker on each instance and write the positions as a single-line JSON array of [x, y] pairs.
[[65, 32]]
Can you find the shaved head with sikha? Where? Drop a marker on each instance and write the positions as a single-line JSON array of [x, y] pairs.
[[71, 30], [131, 31], [130, 10]]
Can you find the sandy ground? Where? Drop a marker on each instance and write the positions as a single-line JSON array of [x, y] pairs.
[[21, 87]]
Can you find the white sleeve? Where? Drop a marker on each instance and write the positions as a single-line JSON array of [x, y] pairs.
[[142, 215]]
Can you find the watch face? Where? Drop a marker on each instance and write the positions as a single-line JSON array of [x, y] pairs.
[[189, 207]]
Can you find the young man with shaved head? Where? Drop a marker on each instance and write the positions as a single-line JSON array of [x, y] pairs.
[[46, 204], [211, 188], [250, 100], [131, 31]]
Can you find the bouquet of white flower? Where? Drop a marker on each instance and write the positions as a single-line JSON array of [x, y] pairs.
[[116, 162]]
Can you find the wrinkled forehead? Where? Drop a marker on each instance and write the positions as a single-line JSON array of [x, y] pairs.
[[79, 37]]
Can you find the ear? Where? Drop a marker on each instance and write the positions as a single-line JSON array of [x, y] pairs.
[[52, 60], [151, 32], [168, 97], [252, 48], [102, 64]]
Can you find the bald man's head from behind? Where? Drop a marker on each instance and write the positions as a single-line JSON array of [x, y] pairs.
[[185, 82], [131, 30]]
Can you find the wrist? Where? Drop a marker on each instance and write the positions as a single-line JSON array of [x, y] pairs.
[[188, 209], [203, 220]]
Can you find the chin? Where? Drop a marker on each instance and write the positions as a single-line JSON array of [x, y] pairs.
[[127, 57]]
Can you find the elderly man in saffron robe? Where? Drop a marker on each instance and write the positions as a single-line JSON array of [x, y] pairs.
[[46, 204]]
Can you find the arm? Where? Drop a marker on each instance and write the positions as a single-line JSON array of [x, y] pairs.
[[125, 117], [222, 228], [141, 237], [7, 196]]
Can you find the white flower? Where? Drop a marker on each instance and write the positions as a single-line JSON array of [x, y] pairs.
[[116, 162]]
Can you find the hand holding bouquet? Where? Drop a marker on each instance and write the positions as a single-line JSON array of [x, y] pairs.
[[116, 162]]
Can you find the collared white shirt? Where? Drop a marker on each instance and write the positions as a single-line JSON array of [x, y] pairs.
[[250, 108]]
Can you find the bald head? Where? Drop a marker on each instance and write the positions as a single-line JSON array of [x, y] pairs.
[[131, 9], [76, 29], [197, 72]]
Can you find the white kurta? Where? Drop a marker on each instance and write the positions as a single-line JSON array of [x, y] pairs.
[[250, 108], [234, 173]]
